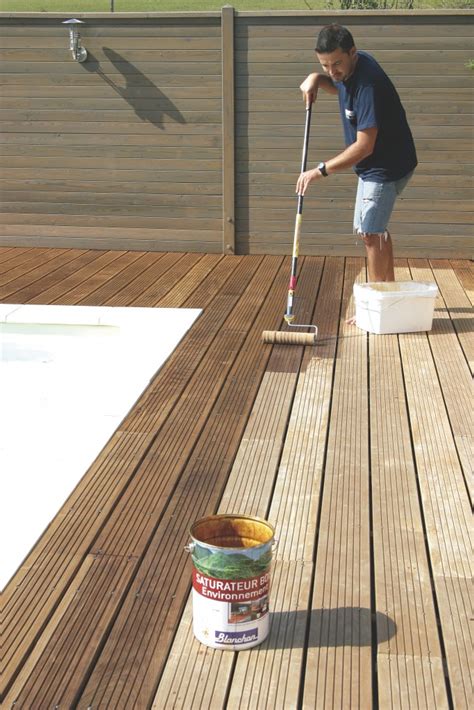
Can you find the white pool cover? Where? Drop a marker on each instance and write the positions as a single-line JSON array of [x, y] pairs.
[[68, 376]]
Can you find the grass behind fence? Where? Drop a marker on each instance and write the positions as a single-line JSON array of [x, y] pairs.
[[79, 6]]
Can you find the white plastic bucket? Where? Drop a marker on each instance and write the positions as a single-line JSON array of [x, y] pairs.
[[395, 307], [231, 580]]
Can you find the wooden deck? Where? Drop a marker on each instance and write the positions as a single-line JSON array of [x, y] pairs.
[[359, 451]]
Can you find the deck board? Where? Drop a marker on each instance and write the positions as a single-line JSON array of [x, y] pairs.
[[100, 489], [464, 270], [273, 678], [445, 504], [402, 587], [201, 678], [339, 672], [369, 490], [454, 376], [459, 307], [138, 263], [12, 279], [14, 261], [7, 253], [203, 472]]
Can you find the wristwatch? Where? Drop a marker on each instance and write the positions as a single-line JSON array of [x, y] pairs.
[[322, 169]]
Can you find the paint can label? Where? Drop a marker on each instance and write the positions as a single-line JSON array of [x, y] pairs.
[[230, 590], [231, 587]]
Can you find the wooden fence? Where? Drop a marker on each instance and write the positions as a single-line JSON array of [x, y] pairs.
[[183, 132]]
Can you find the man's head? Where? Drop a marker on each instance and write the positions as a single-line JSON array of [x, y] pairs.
[[336, 52]]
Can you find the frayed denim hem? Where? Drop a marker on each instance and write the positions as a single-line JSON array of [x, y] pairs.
[[382, 235]]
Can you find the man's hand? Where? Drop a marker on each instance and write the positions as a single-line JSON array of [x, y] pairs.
[[312, 83], [309, 87], [305, 179]]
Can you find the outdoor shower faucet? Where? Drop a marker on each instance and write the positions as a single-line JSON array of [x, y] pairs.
[[79, 52]]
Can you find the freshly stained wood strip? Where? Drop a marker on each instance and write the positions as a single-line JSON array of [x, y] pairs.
[[150, 490], [77, 280], [122, 538], [42, 261], [189, 282], [31, 283], [156, 291], [120, 283], [105, 573], [84, 513], [105, 275], [64, 268], [21, 679], [7, 253], [223, 289], [11, 258], [159, 268], [56, 558], [151, 269]]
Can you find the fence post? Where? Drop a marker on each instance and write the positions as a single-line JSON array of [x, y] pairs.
[[228, 135]]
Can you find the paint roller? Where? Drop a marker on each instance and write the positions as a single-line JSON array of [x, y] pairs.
[[287, 337]]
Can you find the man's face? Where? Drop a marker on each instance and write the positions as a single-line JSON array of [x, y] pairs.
[[339, 65]]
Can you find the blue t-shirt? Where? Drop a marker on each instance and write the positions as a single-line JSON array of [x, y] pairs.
[[368, 99]]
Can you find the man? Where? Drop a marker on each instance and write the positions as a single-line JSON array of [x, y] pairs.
[[379, 142]]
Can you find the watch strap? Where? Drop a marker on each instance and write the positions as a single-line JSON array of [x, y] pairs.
[[322, 169]]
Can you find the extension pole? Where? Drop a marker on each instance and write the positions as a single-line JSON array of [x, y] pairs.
[[269, 336], [289, 316]]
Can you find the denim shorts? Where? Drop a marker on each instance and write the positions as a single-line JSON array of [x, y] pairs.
[[374, 204]]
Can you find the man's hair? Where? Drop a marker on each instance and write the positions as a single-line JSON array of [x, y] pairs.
[[334, 37]]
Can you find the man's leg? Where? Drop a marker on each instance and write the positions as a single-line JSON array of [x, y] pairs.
[[373, 207], [380, 265], [379, 257]]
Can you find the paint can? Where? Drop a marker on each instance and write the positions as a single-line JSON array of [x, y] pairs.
[[231, 557]]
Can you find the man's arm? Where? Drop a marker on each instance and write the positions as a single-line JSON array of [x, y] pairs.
[[353, 154], [312, 83]]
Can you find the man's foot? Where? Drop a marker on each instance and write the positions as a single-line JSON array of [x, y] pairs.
[[351, 321]]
